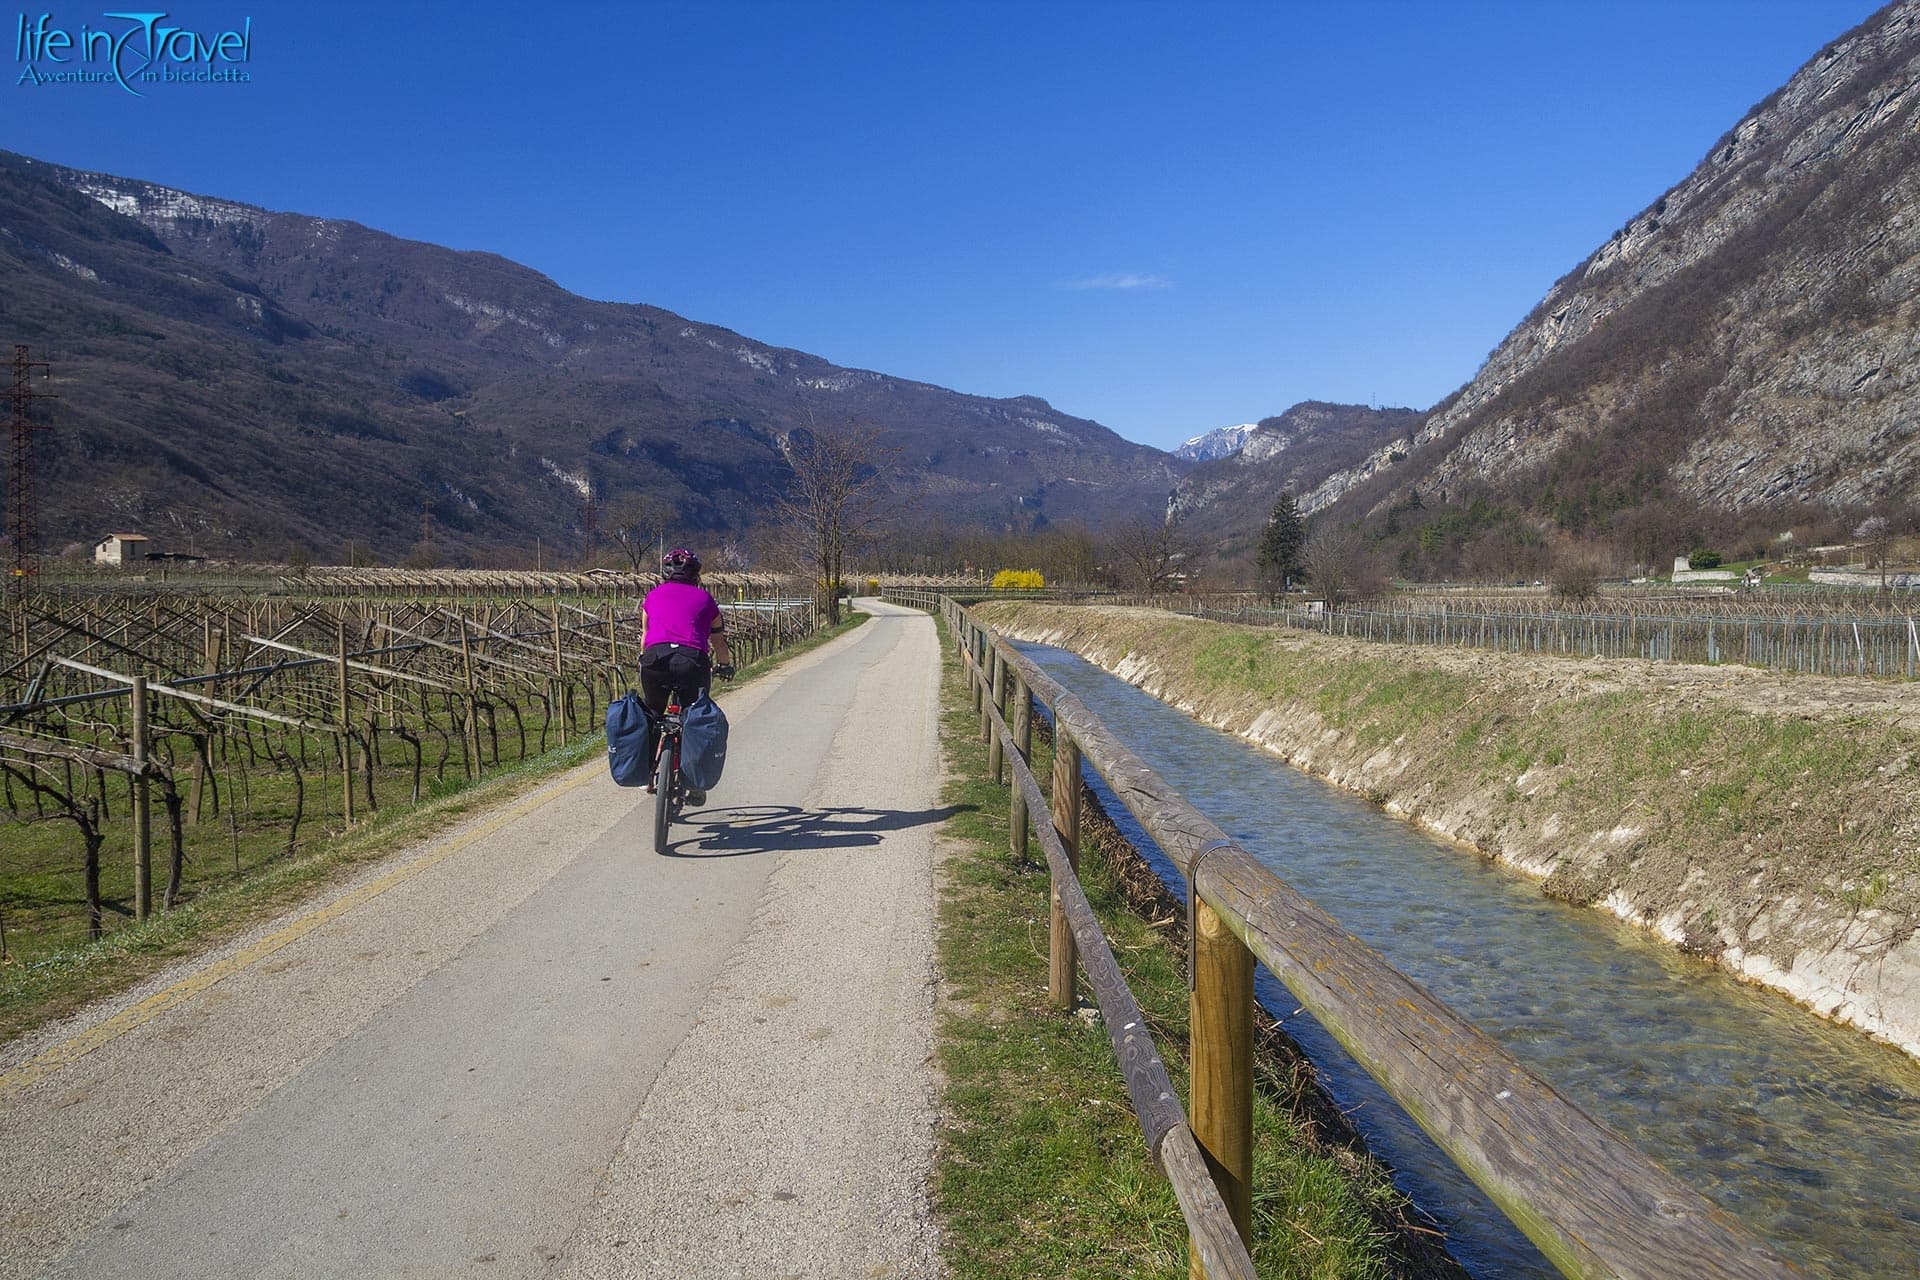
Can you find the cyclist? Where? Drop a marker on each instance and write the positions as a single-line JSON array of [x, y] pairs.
[[685, 637]]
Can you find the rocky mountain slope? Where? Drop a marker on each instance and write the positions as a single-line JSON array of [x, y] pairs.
[[1740, 355], [1753, 332], [234, 380]]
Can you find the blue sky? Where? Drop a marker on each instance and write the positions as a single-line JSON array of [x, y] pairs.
[[1166, 218]]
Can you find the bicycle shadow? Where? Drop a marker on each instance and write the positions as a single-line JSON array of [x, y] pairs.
[[742, 830]]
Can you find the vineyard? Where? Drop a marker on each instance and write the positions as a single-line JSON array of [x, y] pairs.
[[155, 746]]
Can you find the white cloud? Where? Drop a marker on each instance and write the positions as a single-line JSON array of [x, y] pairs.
[[1121, 280]]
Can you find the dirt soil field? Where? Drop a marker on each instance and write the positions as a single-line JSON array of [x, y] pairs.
[[1767, 821]]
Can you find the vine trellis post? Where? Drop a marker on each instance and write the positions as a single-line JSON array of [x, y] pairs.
[[345, 722], [142, 806]]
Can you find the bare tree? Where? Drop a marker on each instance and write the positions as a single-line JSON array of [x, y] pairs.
[[1144, 554], [1575, 577], [832, 506], [638, 522], [1340, 564], [1067, 553]]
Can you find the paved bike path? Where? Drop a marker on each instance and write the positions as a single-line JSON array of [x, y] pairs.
[[552, 1051]]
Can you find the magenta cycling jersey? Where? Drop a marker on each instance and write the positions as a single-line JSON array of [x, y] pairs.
[[680, 613]]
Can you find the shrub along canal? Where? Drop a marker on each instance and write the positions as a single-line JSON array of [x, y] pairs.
[[1803, 1130]]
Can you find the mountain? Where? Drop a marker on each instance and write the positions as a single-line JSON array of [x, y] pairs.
[[1224, 502], [1741, 356], [246, 382], [1223, 442]]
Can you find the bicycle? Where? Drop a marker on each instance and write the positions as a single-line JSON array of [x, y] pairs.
[[669, 787]]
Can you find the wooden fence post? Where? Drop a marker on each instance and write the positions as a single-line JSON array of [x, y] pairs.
[[1222, 1084], [996, 750], [142, 811], [1063, 955], [1022, 743], [978, 682]]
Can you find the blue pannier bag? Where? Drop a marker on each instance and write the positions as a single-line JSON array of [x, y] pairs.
[[703, 744], [631, 739]]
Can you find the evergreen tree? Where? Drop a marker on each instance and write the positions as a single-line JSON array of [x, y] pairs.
[[1279, 557]]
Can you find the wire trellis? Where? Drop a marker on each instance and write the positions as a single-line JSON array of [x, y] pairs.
[[1872, 640], [218, 733]]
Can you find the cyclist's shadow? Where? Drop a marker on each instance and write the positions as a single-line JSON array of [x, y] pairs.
[[748, 829]]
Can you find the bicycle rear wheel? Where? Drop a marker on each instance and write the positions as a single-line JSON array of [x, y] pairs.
[[663, 782]]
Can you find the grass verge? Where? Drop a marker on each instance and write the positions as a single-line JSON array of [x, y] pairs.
[[54, 983], [1043, 1169]]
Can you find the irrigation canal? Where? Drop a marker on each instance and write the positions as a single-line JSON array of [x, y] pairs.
[[1805, 1131]]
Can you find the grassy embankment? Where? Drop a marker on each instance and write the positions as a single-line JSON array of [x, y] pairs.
[[1707, 775], [1044, 1171], [1731, 807], [240, 872]]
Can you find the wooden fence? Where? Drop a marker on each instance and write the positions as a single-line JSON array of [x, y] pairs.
[[1595, 1206]]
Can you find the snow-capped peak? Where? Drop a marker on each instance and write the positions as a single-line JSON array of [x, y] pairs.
[[1222, 443]]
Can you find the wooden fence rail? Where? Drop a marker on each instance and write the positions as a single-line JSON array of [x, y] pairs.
[[1595, 1206], [1218, 1230]]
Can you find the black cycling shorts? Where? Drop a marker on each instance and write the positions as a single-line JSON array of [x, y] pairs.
[[676, 669]]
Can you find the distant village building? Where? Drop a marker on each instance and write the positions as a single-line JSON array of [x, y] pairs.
[[121, 549]]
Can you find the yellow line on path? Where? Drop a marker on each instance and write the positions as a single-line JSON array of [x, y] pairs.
[[79, 1046]]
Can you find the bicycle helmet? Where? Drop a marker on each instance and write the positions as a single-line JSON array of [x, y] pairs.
[[680, 565]]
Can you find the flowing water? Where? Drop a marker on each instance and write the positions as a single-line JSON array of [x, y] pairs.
[[1807, 1132]]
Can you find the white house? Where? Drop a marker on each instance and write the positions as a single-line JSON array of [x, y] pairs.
[[121, 548]]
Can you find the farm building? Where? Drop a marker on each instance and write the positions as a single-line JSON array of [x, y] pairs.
[[121, 548]]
